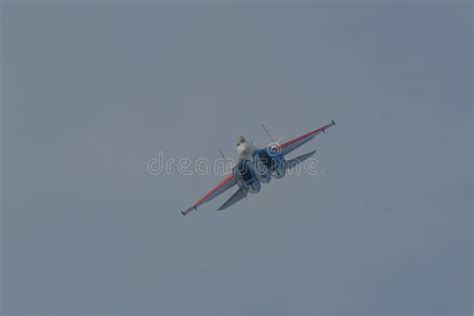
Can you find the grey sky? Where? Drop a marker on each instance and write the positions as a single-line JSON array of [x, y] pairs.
[[92, 91]]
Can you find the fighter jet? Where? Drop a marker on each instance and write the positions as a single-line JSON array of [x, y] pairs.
[[258, 165]]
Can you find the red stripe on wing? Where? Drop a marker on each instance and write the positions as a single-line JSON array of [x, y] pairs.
[[306, 136], [209, 194]]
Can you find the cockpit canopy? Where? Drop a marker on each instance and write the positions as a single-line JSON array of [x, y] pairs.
[[240, 140]]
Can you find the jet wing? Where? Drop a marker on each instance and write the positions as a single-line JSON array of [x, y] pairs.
[[226, 183], [291, 145]]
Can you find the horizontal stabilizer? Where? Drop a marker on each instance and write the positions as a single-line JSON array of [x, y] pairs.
[[296, 161], [236, 197]]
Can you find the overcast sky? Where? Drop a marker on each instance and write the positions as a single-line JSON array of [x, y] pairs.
[[92, 91]]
